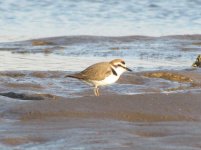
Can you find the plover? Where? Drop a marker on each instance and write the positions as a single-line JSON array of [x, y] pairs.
[[102, 73]]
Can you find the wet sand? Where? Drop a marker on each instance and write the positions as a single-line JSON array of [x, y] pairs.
[[148, 108], [114, 122]]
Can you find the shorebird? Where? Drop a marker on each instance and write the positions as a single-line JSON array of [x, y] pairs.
[[102, 73]]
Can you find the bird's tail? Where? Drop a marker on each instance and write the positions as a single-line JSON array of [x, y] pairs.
[[69, 76], [76, 76]]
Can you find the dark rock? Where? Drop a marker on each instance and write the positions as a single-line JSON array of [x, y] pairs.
[[21, 96], [197, 63]]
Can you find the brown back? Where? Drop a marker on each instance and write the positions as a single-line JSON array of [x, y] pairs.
[[95, 72]]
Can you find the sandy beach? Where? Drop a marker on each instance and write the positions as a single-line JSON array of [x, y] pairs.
[[121, 121]]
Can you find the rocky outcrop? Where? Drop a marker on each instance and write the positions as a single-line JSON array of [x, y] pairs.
[[197, 63]]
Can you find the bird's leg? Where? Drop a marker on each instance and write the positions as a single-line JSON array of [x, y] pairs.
[[96, 91]]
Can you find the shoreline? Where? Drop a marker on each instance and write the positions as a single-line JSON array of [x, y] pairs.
[[99, 37]]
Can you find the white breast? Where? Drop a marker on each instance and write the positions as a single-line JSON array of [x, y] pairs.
[[108, 80]]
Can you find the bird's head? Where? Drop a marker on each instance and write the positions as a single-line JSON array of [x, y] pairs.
[[119, 66]]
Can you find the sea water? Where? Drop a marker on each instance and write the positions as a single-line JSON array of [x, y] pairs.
[[27, 19]]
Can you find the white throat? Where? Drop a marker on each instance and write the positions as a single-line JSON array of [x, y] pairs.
[[119, 70]]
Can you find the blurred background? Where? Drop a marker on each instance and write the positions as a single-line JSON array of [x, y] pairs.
[[27, 19]]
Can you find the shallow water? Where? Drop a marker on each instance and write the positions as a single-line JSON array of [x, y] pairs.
[[32, 19], [66, 55], [69, 53]]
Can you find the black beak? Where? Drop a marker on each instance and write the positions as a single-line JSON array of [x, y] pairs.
[[128, 69]]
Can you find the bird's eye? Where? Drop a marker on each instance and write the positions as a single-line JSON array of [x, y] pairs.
[[123, 62]]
